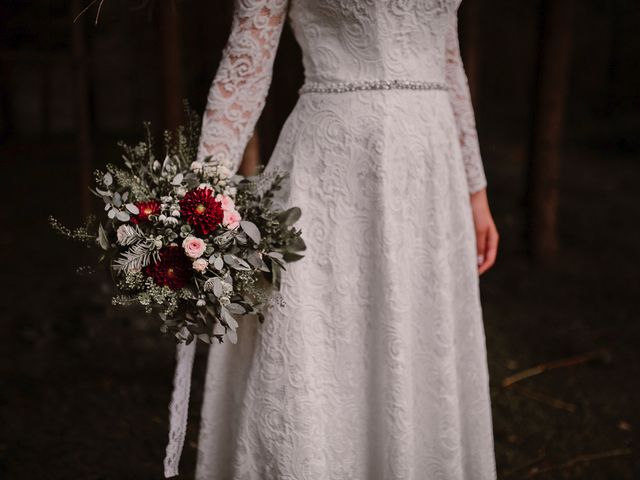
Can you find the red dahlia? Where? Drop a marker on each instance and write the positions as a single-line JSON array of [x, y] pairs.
[[173, 269], [150, 207], [201, 210]]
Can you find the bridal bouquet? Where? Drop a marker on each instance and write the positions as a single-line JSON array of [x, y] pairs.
[[187, 239]]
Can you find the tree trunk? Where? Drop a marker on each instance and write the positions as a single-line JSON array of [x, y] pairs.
[[471, 46], [553, 68], [82, 106], [169, 31]]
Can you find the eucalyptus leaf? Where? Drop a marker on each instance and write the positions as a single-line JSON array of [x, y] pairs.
[[264, 267], [255, 259], [242, 265], [230, 259], [218, 329], [233, 337], [292, 257], [123, 216], [290, 216], [232, 323], [297, 245], [236, 308], [217, 287], [177, 180], [276, 255], [112, 213], [204, 337], [218, 264], [251, 230], [235, 262], [102, 238], [275, 275], [132, 208]]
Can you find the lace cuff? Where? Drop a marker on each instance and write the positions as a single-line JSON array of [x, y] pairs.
[[460, 98]]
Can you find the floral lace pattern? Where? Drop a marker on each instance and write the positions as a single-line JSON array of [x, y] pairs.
[[375, 365], [238, 91]]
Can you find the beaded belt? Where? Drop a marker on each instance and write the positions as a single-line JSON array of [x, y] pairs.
[[341, 87]]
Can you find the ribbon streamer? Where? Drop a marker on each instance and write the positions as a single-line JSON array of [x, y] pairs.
[[179, 407]]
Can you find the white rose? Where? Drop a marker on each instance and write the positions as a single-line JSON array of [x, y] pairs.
[[122, 233], [196, 167], [227, 288], [181, 191], [210, 170], [200, 265], [205, 185], [223, 171], [194, 247]]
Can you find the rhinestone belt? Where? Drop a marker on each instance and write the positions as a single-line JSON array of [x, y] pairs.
[[341, 87]]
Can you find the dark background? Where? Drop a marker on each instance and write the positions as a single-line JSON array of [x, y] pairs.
[[84, 388]]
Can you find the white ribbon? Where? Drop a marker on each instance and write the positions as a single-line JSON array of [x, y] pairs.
[[179, 407]]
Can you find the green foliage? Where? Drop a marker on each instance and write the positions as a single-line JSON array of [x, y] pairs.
[[85, 234]]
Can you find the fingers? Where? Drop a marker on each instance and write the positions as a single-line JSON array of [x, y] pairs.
[[491, 249], [481, 244]]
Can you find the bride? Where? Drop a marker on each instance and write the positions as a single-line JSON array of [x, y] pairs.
[[374, 365]]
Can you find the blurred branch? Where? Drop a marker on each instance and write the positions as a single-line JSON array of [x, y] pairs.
[[546, 399], [543, 367], [525, 466], [141, 6], [621, 452], [93, 2]]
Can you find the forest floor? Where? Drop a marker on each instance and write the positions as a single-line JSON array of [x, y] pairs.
[[84, 388]]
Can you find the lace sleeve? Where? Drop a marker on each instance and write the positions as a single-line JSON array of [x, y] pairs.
[[463, 110], [239, 89]]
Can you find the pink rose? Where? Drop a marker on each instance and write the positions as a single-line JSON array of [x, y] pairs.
[[194, 247], [231, 219], [200, 265], [226, 201]]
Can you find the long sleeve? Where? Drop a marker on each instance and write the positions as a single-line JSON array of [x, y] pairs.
[[239, 89], [460, 98]]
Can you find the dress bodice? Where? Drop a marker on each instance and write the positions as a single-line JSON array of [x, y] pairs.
[[354, 40], [342, 41]]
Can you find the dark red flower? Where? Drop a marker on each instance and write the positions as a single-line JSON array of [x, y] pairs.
[[201, 210], [150, 207], [174, 269]]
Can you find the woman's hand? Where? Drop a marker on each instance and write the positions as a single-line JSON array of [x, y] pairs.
[[486, 232]]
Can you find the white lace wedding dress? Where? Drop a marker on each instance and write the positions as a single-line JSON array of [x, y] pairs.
[[375, 366]]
